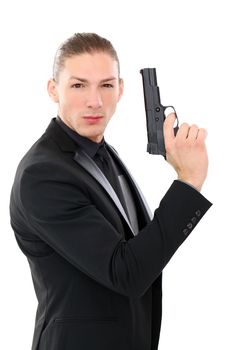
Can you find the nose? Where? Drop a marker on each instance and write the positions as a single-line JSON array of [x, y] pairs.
[[94, 99]]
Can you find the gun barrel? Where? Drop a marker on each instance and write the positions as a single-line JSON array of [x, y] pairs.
[[149, 74], [150, 87]]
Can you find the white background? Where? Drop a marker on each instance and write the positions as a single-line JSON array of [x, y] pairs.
[[190, 44]]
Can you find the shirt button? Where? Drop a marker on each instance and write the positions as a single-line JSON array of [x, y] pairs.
[[185, 231], [198, 213]]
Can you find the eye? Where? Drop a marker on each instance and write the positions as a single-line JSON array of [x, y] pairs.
[[77, 85], [108, 85]]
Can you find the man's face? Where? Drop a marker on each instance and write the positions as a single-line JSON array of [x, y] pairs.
[[87, 93]]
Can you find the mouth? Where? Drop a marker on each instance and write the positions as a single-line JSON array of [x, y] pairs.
[[93, 118]]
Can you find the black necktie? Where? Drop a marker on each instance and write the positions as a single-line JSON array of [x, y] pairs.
[[106, 165], [102, 159]]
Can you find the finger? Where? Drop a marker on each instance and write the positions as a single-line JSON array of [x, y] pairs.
[[202, 134], [193, 132], [168, 126], [169, 110], [183, 131]]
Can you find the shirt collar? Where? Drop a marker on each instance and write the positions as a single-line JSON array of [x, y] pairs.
[[89, 146]]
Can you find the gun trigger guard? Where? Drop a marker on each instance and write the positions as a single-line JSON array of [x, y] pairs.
[[177, 120]]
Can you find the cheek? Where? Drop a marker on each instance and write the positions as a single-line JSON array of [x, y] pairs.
[[71, 101], [114, 104], [111, 102]]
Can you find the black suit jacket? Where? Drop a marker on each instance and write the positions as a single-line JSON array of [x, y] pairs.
[[98, 285]]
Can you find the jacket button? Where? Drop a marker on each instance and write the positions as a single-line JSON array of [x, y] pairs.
[[185, 231], [198, 213], [194, 220]]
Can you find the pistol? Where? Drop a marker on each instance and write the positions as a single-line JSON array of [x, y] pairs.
[[155, 112]]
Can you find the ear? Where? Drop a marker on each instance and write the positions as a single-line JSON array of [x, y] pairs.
[[121, 89], [52, 90]]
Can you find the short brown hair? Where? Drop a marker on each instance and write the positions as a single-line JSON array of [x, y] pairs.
[[81, 43]]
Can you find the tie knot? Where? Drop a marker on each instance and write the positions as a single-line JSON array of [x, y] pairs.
[[102, 153]]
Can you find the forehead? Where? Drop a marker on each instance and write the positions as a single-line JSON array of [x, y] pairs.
[[97, 65]]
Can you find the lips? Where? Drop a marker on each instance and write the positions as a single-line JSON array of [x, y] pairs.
[[93, 118]]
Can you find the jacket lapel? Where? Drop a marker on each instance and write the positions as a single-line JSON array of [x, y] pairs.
[[68, 145], [137, 188], [89, 165]]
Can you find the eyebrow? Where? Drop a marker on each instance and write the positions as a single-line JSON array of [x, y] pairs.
[[86, 81]]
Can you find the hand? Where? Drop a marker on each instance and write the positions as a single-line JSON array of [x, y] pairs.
[[186, 151]]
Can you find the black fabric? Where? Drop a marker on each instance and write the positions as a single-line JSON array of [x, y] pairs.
[[99, 153], [89, 146], [95, 289], [102, 159], [104, 162], [111, 170]]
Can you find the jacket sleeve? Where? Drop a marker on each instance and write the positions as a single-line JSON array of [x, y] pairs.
[[62, 215]]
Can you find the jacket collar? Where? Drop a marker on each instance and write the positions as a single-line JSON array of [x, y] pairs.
[[90, 147], [66, 144]]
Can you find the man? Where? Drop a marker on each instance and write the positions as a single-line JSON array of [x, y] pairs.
[[95, 252]]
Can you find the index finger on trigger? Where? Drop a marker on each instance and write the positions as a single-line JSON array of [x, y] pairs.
[[168, 126]]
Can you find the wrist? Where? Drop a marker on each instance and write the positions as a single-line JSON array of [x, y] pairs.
[[195, 184]]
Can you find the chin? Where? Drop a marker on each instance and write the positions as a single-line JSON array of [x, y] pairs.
[[94, 136]]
